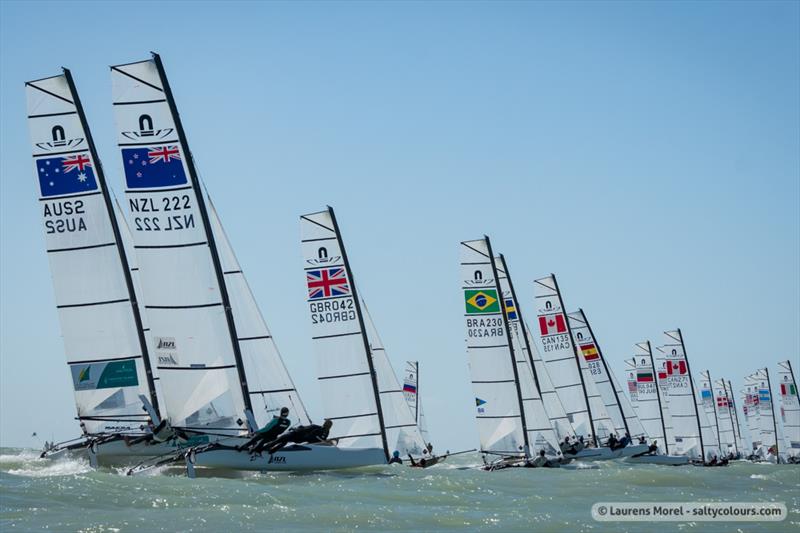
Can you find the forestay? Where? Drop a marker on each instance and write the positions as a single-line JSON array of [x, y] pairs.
[[583, 404], [402, 433], [101, 324], [790, 407], [344, 367], [617, 405], [541, 435], [268, 381], [498, 399], [190, 317]]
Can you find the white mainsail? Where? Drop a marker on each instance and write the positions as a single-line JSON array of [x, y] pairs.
[[682, 398], [766, 412], [581, 400], [709, 401], [413, 398], [727, 428], [269, 384], [741, 445], [648, 396], [402, 433], [617, 405], [345, 368], [541, 435], [189, 312], [752, 416], [101, 323], [790, 407], [498, 399]]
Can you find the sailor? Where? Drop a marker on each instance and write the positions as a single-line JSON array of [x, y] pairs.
[[624, 441], [429, 448], [395, 458], [580, 444], [612, 441], [311, 434], [642, 440], [268, 433], [567, 446], [653, 448], [421, 464], [540, 461]]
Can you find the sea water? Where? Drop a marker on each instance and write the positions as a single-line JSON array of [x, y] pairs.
[[67, 495]]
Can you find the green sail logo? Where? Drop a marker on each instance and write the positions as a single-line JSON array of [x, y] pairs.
[[84, 374]]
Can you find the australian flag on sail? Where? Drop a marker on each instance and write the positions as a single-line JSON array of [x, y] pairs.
[[65, 175], [327, 282], [153, 166]]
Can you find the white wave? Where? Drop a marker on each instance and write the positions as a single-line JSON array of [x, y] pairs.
[[28, 463]]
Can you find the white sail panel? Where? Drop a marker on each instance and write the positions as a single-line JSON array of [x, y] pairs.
[[648, 396], [614, 401], [193, 334], [412, 394], [790, 407], [727, 432], [269, 384], [402, 433], [580, 398], [88, 263], [682, 403], [541, 435], [751, 413], [741, 441], [344, 368], [767, 422], [492, 368], [552, 403]]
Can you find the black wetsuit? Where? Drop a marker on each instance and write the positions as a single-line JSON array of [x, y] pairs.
[[267, 434], [396, 460], [299, 435]]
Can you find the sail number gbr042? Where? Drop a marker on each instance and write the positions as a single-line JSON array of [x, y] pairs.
[[167, 213], [334, 310]]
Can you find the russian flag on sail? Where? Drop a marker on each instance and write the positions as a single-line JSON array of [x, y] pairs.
[[552, 324], [408, 387], [153, 166], [65, 175]]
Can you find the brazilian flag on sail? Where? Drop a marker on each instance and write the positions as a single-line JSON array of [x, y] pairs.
[[481, 301]]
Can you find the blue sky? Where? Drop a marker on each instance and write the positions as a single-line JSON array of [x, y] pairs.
[[647, 153]]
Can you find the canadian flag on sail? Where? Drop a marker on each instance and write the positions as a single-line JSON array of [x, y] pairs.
[[552, 324], [676, 367]]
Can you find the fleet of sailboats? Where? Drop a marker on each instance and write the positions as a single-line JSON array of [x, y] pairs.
[[172, 362]]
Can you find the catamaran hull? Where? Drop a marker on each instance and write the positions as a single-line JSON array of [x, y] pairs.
[[671, 460], [607, 454], [291, 458], [117, 452]]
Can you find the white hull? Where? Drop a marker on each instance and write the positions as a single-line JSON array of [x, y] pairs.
[[672, 460], [118, 452], [606, 454], [291, 458]]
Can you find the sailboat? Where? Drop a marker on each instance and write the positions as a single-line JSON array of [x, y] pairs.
[[572, 378], [739, 436], [499, 411], [220, 373], [413, 396], [769, 449], [651, 405], [752, 420], [102, 324], [727, 425], [790, 410]]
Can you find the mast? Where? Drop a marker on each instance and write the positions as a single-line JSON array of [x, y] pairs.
[[212, 245], [522, 324], [367, 351], [608, 372], [694, 397], [772, 407], [577, 362], [123, 257], [416, 396], [714, 407], [658, 396], [510, 345]]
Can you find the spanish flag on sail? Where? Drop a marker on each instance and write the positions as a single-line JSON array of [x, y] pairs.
[[590, 352]]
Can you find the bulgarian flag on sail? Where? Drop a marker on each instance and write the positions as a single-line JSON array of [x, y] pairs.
[[676, 367], [552, 324], [644, 376]]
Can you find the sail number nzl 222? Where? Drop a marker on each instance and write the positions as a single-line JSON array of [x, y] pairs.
[[163, 214]]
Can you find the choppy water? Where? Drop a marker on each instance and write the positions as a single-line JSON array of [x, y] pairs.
[[67, 495]]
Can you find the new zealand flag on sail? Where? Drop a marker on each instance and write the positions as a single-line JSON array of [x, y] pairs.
[[65, 175], [153, 166]]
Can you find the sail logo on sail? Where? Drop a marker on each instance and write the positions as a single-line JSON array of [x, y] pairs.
[[111, 374], [479, 405], [66, 175], [327, 283], [481, 301], [552, 324], [154, 166]]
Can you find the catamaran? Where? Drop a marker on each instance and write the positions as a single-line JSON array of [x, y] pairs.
[[769, 449], [726, 423], [652, 407], [572, 378], [790, 410], [220, 373], [102, 323]]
